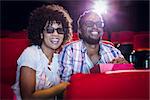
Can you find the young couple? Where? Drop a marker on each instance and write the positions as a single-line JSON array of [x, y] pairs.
[[42, 71]]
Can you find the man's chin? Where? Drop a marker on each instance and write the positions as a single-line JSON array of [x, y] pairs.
[[92, 41]]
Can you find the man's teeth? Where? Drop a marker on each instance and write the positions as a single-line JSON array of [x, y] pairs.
[[94, 33]]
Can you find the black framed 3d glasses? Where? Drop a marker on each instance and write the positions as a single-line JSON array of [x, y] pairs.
[[98, 24], [51, 30]]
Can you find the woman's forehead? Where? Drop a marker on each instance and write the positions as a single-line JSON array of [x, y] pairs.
[[53, 24]]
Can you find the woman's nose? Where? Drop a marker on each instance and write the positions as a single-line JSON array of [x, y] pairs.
[[55, 32]]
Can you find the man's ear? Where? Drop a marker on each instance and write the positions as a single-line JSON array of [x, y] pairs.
[[79, 33]]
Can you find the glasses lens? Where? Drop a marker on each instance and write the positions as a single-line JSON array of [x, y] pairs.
[[50, 30], [91, 24], [99, 24], [60, 30]]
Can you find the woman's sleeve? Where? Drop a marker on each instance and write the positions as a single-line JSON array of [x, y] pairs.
[[28, 58]]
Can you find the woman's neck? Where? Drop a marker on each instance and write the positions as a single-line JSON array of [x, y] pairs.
[[48, 52]]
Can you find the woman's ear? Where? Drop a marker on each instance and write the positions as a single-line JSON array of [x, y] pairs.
[[42, 36]]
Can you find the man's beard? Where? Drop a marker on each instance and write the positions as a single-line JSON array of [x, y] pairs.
[[89, 40]]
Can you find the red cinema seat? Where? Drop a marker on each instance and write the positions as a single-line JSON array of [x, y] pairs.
[[142, 51], [5, 33], [115, 85], [14, 34], [125, 40], [115, 37], [6, 92], [75, 37], [141, 42], [10, 51], [105, 36], [143, 32], [126, 37]]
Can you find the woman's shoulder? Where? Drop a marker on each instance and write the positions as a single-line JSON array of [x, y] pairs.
[[29, 57], [31, 51]]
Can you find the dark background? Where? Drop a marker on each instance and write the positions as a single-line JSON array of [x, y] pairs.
[[130, 15]]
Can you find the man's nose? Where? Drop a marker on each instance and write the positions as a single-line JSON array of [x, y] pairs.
[[95, 26]]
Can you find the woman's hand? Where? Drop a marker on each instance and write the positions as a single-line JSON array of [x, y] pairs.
[[64, 84]]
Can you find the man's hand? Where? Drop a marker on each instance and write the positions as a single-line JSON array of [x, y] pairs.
[[119, 61]]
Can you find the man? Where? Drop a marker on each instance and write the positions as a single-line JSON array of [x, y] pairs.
[[80, 56]]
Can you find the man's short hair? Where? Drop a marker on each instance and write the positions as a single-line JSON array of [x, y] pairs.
[[86, 13]]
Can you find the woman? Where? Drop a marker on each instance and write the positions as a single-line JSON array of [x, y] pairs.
[[37, 71]]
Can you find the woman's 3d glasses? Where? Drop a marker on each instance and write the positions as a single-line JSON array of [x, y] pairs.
[[51, 30]]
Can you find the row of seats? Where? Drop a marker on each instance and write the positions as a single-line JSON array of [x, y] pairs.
[[99, 86], [14, 34], [139, 40], [10, 48], [114, 85], [132, 44], [122, 37], [12, 44]]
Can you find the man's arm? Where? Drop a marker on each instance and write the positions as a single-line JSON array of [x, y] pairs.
[[119, 60], [66, 65]]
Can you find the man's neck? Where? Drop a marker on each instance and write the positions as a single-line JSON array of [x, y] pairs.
[[92, 48], [93, 52]]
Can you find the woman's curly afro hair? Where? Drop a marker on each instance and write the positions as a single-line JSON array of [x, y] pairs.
[[41, 15]]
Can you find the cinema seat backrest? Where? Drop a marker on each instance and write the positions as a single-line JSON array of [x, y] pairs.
[[10, 51], [126, 37], [117, 85], [14, 34], [105, 36], [142, 51], [141, 42], [115, 37]]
